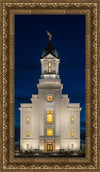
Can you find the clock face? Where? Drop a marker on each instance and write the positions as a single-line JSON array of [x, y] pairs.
[[49, 98]]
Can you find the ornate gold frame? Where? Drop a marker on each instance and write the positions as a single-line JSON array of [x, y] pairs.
[[8, 8]]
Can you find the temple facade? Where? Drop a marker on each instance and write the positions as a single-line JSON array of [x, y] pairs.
[[50, 122]]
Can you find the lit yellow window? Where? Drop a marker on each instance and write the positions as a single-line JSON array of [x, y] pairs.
[[72, 146], [72, 119], [49, 132], [49, 67], [27, 133], [72, 133], [27, 146], [27, 120], [49, 117], [49, 98]]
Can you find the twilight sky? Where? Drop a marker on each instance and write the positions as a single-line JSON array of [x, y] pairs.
[[68, 37]]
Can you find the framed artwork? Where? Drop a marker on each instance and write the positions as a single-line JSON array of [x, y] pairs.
[[45, 69], [49, 83]]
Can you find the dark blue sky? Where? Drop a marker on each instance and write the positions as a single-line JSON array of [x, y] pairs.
[[68, 33]]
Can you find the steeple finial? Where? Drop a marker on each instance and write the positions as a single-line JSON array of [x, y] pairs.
[[49, 34]]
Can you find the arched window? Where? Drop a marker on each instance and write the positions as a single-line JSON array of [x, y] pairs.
[[72, 119], [49, 67], [72, 133], [27, 133], [27, 120]]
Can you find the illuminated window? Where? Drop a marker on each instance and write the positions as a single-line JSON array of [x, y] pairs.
[[72, 119], [27, 133], [27, 120], [72, 133], [72, 146], [49, 67], [49, 117], [49, 98], [49, 132], [27, 146]]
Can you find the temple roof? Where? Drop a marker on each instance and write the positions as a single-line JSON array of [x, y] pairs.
[[50, 49]]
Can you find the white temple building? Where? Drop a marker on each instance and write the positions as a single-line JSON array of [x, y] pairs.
[[50, 122]]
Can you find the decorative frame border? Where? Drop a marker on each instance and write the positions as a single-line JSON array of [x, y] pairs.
[[7, 160]]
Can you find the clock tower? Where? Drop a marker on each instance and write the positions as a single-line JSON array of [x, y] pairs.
[[49, 90]]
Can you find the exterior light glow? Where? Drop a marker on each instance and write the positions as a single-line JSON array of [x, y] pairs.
[[72, 146], [27, 120], [27, 146], [72, 119]]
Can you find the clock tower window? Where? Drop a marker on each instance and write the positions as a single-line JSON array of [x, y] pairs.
[[49, 67]]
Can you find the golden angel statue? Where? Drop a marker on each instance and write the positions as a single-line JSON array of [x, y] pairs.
[[49, 34]]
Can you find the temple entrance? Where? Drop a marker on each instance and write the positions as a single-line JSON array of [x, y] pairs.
[[49, 146]]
